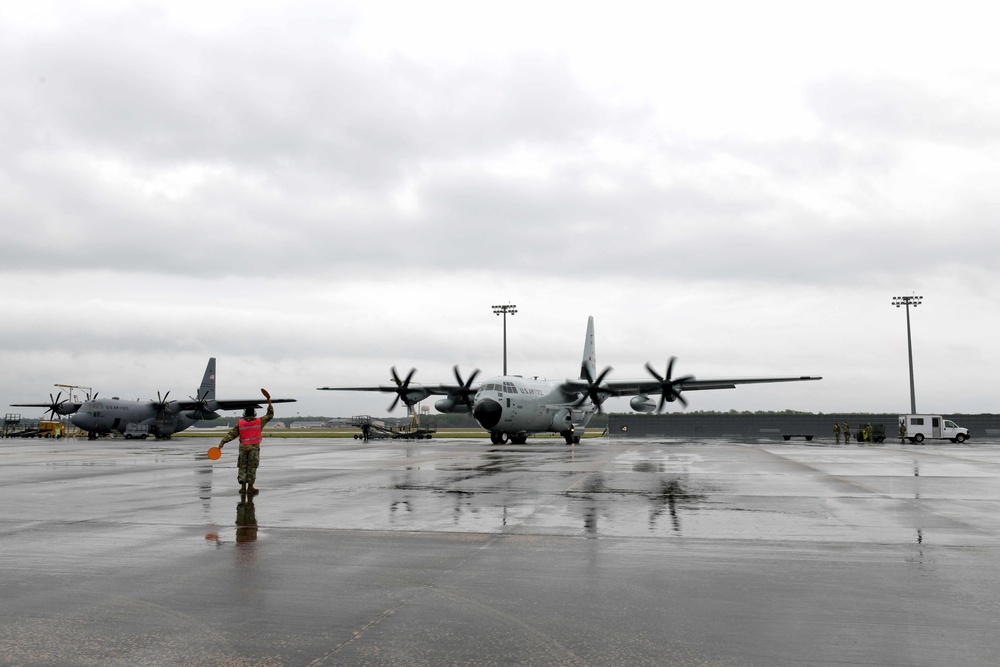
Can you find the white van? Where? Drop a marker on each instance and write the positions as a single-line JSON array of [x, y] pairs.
[[916, 428]]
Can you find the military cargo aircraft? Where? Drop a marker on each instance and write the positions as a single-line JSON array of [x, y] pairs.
[[160, 418], [512, 407]]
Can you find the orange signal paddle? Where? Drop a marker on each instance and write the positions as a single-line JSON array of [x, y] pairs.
[[215, 453], [266, 395]]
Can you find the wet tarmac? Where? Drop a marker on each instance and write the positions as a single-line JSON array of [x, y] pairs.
[[459, 552]]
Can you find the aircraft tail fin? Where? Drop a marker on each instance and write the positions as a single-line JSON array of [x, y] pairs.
[[588, 367], [206, 392]]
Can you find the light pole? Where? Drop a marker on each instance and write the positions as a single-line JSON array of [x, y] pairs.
[[909, 301], [504, 310]]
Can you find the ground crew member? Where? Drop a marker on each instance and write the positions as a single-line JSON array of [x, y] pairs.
[[250, 431], [847, 432], [836, 431]]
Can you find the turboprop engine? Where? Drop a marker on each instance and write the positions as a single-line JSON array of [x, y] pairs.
[[642, 404], [452, 405], [205, 415]]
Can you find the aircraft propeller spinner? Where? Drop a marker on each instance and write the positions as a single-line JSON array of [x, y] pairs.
[[669, 391]]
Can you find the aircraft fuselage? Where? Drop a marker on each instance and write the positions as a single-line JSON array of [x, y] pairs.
[[512, 407], [104, 416]]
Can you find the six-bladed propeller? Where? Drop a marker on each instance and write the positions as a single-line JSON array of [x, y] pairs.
[[465, 391], [161, 403], [593, 389], [55, 404], [202, 410], [402, 387], [670, 389]]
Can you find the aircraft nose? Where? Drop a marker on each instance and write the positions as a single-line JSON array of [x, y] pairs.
[[487, 412]]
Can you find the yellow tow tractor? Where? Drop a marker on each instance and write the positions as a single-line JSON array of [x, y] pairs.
[[51, 429]]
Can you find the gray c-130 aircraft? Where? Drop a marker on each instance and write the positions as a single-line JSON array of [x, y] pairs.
[[512, 407], [100, 416]]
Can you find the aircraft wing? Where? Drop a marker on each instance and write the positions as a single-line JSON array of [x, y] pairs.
[[411, 393], [428, 389], [233, 404], [63, 408], [652, 386]]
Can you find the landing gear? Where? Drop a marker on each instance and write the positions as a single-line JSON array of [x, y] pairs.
[[498, 437], [571, 438]]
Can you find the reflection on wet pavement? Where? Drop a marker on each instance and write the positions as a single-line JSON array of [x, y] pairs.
[[463, 552]]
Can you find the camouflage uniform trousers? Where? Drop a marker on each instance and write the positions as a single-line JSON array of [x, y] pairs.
[[247, 464]]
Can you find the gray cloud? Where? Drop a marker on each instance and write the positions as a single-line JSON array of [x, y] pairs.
[[884, 107]]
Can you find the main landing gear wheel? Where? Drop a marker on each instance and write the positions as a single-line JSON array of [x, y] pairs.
[[499, 438]]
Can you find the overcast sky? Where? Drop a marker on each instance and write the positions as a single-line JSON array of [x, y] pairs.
[[313, 192]]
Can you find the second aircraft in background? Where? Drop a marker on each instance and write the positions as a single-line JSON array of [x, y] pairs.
[[160, 418]]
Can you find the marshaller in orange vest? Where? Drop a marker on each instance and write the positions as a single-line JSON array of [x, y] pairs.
[[250, 432]]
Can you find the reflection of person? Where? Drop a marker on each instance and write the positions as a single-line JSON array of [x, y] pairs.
[[250, 432], [836, 431], [246, 520]]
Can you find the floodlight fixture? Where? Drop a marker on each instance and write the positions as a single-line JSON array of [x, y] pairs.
[[505, 310]]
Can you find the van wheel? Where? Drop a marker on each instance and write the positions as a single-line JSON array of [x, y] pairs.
[[918, 438], [960, 438]]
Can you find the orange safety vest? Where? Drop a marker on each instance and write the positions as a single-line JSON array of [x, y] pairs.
[[250, 432]]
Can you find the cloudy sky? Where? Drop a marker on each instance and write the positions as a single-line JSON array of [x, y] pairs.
[[313, 192]]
